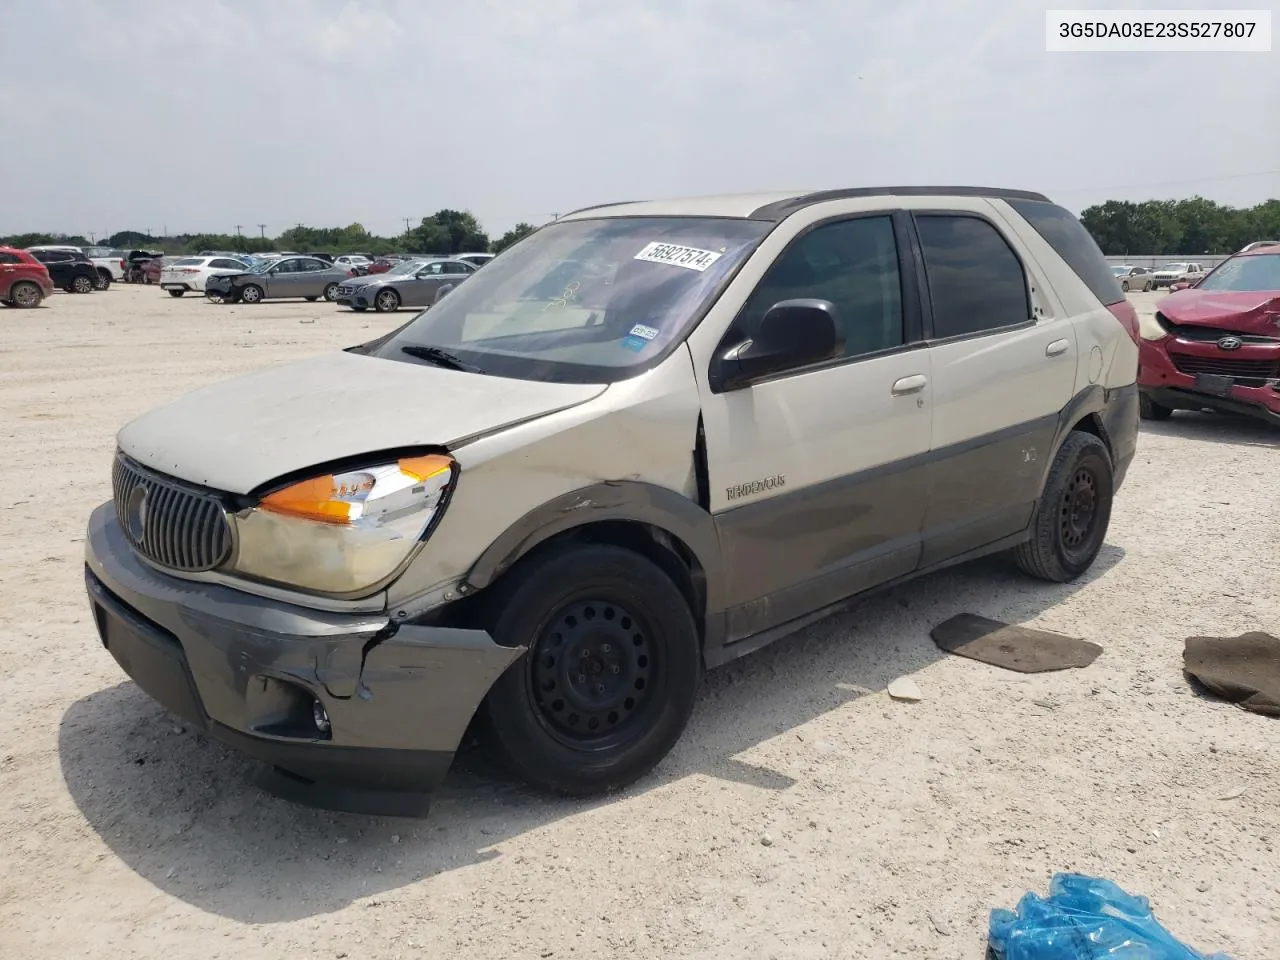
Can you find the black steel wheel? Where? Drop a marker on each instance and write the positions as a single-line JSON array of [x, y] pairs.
[[611, 672], [1074, 512]]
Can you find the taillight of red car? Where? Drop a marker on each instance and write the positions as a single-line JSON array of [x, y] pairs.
[[1128, 317]]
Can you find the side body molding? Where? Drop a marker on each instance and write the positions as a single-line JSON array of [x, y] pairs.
[[630, 500]]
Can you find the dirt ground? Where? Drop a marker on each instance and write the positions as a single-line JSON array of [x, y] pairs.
[[804, 813]]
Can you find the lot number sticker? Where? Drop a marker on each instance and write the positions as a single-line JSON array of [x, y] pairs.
[[690, 258], [645, 333]]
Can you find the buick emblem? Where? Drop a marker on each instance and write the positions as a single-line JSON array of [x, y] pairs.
[[136, 513], [1230, 343]]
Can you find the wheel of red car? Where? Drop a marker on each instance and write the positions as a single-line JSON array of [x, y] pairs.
[[81, 284], [251, 293], [1148, 409], [103, 281], [25, 295]]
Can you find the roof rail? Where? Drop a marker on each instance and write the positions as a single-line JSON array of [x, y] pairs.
[[596, 206], [780, 209]]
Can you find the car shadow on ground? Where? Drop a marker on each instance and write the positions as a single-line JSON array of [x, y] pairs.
[[1234, 429], [184, 813]]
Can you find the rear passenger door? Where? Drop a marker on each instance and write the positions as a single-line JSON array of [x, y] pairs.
[[285, 279], [1003, 366], [817, 479]]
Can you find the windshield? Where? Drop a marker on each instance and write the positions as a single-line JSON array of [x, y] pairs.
[[1245, 275], [586, 301], [189, 261], [262, 266], [1119, 271], [101, 252], [1174, 267]]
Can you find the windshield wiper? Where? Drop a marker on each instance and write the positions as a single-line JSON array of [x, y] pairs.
[[441, 358]]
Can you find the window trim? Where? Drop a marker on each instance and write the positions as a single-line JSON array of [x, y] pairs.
[[912, 320], [926, 291]]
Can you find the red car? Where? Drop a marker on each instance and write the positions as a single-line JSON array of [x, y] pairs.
[[24, 280], [1215, 344]]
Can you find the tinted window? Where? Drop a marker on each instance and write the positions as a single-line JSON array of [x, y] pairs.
[[976, 282], [1073, 243], [456, 268], [8, 258], [227, 264], [288, 266], [853, 264], [310, 266]]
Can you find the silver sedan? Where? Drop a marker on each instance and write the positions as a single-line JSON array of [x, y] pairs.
[[420, 287]]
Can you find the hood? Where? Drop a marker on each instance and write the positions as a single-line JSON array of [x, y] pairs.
[[1239, 312], [237, 435]]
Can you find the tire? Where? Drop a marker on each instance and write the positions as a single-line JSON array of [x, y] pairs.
[[81, 284], [311, 299], [104, 280], [387, 301], [1148, 409], [358, 309], [251, 293], [176, 293], [642, 633], [25, 295], [331, 292], [1146, 287], [441, 294], [1124, 285], [1073, 514]]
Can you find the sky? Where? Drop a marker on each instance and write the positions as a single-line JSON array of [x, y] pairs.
[[198, 115]]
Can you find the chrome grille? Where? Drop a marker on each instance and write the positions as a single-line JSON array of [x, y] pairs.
[[1256, 370], [167, 522]]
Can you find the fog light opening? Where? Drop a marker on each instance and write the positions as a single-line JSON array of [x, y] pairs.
[[321, 717]]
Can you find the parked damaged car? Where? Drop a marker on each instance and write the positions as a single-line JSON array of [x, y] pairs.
[[306, 278], [1215, 344], [555, 498]]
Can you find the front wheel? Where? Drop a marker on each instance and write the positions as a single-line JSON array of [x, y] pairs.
[[176, 293], [103, 281], [1124, 285], [1148, 409], [250, 293], [1073, 514], [611, 672], [387, 301], [81, 284]]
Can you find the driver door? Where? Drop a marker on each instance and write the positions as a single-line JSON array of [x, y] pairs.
[[818, 480]]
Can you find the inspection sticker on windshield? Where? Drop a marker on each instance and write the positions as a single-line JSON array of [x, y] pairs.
[[643, 332], [677, 256]]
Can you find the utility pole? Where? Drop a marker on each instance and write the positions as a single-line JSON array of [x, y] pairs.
[[93, 237], [555, 216], [262, 230], [238, 233], [406, 225]]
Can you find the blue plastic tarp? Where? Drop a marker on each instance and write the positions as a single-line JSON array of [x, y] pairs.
[[1084, 918]]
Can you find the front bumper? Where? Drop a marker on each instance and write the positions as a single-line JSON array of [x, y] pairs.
[[1161, 380], [249, 671]]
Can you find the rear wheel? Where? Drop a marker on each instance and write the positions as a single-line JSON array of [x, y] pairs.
[[176, 293], [251, 293], [611, 672], [331, 292], [103, 281], [1073, 514], [387, 301], [311, 299], [25, 295], [81, 284], [1146, 287], [1148, 409]]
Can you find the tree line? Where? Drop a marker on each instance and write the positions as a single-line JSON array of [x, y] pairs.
[[1179, 228], [1192, 227], [444, 232]]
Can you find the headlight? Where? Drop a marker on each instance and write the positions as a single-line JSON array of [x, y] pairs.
[[1152, 328], [343, 533]]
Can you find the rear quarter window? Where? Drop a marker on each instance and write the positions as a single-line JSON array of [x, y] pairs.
[[1073, 243]]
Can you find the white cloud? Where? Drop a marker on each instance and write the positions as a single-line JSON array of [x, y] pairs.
[[332, 111]]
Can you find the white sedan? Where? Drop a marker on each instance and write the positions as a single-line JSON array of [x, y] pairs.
[[191, 273]]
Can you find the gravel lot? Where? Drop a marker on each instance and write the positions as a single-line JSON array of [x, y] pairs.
[[804, 814]]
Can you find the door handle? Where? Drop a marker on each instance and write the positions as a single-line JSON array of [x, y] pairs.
[[1057, 348], [909, 385]]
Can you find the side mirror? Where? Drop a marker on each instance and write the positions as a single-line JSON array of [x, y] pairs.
[[792, 334]]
